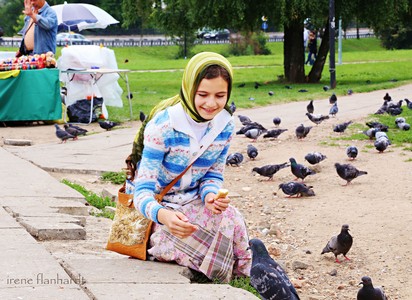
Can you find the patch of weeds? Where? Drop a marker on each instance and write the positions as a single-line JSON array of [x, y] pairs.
[[92, 198], [369, 146], [409, 148], [244, 283], [114, 177], [105, 214], [327, 143]]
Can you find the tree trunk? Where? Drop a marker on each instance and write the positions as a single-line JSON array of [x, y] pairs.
[[293, 52], [315, 73]]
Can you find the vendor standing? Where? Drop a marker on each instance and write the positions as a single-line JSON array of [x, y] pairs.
[[40, 28]]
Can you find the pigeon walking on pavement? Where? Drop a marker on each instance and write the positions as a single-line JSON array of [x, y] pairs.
[[81, 130], [276, 121], [252, 151], [299, 189], [142, 116], [352, 152], [108, 125], [244, 119], [62, 134], [348, 172], [369, 292], [269, 170], [314, 157], [302, 131], [341, 127], [299, 170], [310, 108], [234, 159], [254, 133], [333, 99], [334, 109], [274, 133], [232, 107], [317, 119], [71, 130], [339, 244], [382, 141], [267, 276]]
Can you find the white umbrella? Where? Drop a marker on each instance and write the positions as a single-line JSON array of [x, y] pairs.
[[80, 16]]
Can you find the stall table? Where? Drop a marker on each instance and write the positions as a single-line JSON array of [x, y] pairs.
[[34, 95]]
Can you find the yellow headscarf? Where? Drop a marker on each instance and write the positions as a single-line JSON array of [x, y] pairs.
[[192, 76]]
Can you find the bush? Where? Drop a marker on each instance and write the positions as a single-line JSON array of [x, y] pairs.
[[249, 44]]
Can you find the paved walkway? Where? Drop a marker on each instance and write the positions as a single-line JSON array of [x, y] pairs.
[[35, 206]]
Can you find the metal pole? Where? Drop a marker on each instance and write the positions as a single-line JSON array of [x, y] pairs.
[[340, 42], [332, 69]]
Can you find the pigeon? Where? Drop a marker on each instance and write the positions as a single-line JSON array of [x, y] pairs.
[[257, 85], [252, 151], [310, 108], [288, 87], [299, 170], [303, 91], [234, 159], [387, 97], [380, 126], [130, 95], [404, 126], [341, 127], [383, 109], [276, 121], [232, 107], [108, 125], [254, 133], [339, 244], [368, 81], [348, 172], [251, 99], [142, 116], [371, 132], [333, 99], [350, 92], [302, 131], [352, 152], [267, 276], [63, 135], [271, 93], [399, 120], [326, 88], [249, 126], [314, 157], [317, 119], [368, 292], [397, 104], [382, 141], [394, 110], [71, 130], [274, 133], [126, 61], [269, 170], [334, 109], [81, 131], [241, 85], [408, 103], [244, 119], [299, 189]]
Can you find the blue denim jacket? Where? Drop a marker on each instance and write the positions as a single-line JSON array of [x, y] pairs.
[[45, 30]]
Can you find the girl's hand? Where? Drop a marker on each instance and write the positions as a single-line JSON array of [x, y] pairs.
[[216, 206], [177, 223]]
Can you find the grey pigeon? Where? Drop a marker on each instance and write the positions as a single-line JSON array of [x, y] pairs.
[[350, 92], [404, 126], [108, 125], [369, 292], [249, 126], [348, 172], [339, 244], [310, 108], [254, 133], [387, 97], [333, 99], [382, 141], [252, 151], [244, 119], [399, 120], [63, 135], [142, 116], [326, 88], [341, 127], [274, 133], [303, 91], [267, 276], [81, 130], [302, 131], [352, 152], [276, 121], [257, 85], [408, 103], [299, 170], [271, 93], [383, 109], [73, 131], [299, 189], [232, 107], [317, 119], [314, 157], [377, 125], [241, 85], [234, 159], [334, 109], [269, 170], [394, 110], [371, 132]]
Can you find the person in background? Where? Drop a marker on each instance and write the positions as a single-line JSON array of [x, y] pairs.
[[312, 47], [192, 227], [40, 28]]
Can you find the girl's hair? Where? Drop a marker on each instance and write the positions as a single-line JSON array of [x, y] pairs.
[[215, 71]]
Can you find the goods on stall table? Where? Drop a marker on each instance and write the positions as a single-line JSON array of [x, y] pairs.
[[30, 62]]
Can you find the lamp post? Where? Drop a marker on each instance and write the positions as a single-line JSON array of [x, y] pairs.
[[332, 69]]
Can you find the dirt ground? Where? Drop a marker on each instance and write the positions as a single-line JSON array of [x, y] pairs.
[[377, 206]]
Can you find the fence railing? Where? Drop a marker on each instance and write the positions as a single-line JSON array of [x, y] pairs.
[[15, 42]]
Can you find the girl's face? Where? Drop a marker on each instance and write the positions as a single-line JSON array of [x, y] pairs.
[[211, 97]]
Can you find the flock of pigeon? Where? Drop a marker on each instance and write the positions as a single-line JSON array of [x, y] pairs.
[[267, 277], [72, 131]]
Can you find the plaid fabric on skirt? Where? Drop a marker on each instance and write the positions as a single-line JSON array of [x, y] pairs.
[[218, 249]]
